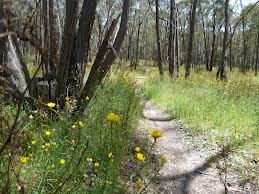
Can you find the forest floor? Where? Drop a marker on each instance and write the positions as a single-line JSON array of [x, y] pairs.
[[190, 161]]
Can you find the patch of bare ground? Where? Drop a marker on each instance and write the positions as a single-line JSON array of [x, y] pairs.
[[190, 168]]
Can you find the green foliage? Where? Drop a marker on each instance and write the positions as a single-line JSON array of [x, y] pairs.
[[226, 112], [74, 154]]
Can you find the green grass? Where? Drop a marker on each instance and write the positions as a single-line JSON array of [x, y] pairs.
[[226, 112], [43, 172]]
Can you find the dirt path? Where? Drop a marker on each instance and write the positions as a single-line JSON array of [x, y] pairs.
[[187, 170]]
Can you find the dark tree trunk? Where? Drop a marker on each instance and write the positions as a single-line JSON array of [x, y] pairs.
[[205, 40], [177, 41], [211, 64], [159, 54], [76, 71], [222, 72], [72, 11], [171, 41], [191, 37], [100, 69], [243, 66], [137, 46], [46, 43]]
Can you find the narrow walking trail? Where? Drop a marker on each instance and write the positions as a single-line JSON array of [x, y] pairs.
[[187, 169]]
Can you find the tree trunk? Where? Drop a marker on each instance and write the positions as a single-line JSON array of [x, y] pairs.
[[243, 66], [81, 48], [211, 64], [10, 66], [177, 41], [171, 41], [101, 68], [72, 11], [222, 72], [137, 46], [191, 37], [205, 40], [159, 54], [55, 36]]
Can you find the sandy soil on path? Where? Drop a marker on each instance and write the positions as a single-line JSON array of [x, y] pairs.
[[187, 169]]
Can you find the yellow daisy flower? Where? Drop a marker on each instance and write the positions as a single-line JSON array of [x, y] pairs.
[[96, 164], [140, 157], [156, 133], [90, 160], [24, 159], [139, 183], [137, 149], [48, 132], [110, 155], [62, 161], [51, 105], [113, 118], [81, 123]]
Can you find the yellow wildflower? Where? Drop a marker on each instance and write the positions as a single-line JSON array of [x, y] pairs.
[[53, 166], [96, 164], [87, 98], [54, 143], [137, 149], [110, 155], [31, 117], [33, 142], [140, 157], [156, 134], [81, 123], [62, 161], [43, 146], [48, 132], [73, 141], [24, 159], [108, 183], [51, 105], [113, 118], [73, 126], [88, 159], [139, 183], [47, 144]]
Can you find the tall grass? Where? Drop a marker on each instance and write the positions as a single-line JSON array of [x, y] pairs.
[[226, 112], [67, 154]]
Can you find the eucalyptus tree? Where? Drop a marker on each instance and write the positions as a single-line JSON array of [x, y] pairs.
[[64, 49]]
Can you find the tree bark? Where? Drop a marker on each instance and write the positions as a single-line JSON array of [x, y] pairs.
[[72, 11], [55, 36], [205, 40], [222, 72], [171, 41], [177, 42], [10, 66], [99, 70], [159, 54], [81, 48], [191, 37]]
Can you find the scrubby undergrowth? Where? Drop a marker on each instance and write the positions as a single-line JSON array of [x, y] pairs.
[[61, 153]]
